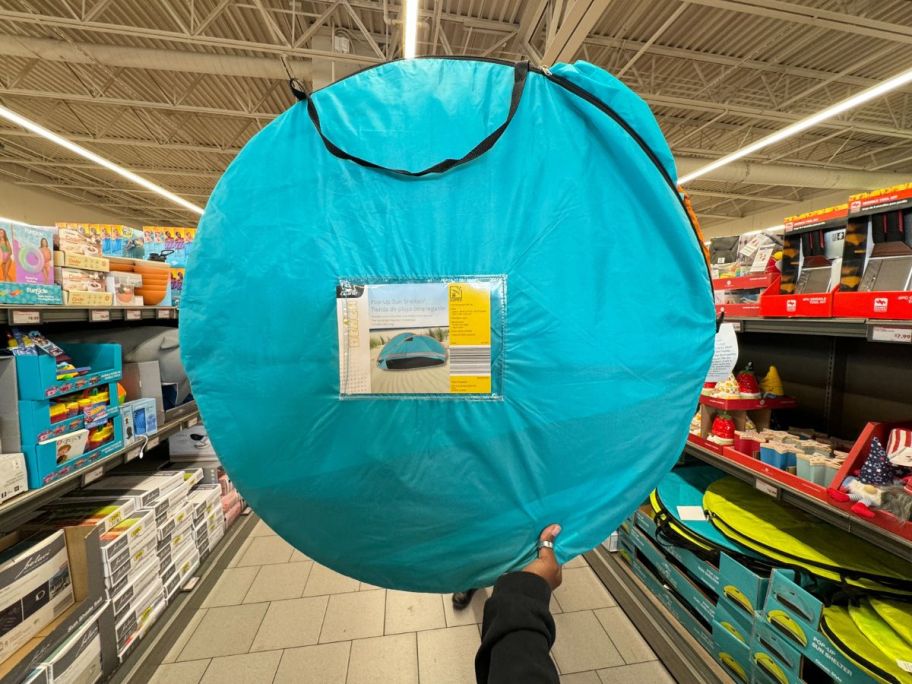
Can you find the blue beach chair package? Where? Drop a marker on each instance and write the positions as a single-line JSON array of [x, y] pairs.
[[465, 301]]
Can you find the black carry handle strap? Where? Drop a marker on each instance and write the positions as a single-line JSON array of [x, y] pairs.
[[520, 71]]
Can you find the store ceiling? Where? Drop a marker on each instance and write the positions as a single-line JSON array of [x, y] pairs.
[[172, 89]]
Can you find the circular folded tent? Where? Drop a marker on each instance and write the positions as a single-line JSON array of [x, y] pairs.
[[572, 375]]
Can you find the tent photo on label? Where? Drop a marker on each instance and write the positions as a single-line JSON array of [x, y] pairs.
[[453, 346]]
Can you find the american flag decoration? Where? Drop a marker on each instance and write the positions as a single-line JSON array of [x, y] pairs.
[[899, 447]]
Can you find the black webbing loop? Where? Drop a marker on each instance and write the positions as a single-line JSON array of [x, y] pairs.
[[520, 71], [298, 89]]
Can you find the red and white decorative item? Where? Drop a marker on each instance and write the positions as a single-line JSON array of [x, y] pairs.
[[899, 447]]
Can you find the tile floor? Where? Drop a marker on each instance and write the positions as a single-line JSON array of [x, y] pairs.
[[276, 616]]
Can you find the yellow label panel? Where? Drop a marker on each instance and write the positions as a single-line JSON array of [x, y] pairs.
[[470, 314]]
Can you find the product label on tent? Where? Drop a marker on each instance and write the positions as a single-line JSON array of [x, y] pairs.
[[416, 338]]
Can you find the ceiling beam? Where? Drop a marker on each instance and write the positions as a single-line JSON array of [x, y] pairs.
[[756, 173], [143, 170], [769, 115], [578, 22], [736, 196], [125, 142], [177, 37], [529, 18], [818, 18], [161, 59]]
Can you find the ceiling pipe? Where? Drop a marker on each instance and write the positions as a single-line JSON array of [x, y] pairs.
[[147, 58], [792, 176]]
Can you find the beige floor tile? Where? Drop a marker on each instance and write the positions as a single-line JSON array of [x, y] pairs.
[[353, 616], [389, 659], [364, 586], [554, 606], [642, 673], [291, 623], [410, 612], [576, 562], [184, 637], [447, 656], [250, 668], [584, 678], [261, 529], [298, 557], [323, 664], [231, 587], [278, 582], [471, 614], [624, 635], [582, 644], [324, 581], [240, 552], [265, 551], [224, 631], [582, 590], [180, 673]]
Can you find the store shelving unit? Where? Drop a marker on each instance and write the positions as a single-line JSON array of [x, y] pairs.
[[18, 509], [38, 315], [835, 516], [843, 372]]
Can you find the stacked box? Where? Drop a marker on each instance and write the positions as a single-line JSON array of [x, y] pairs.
[[79, 658], [208, 520], [35, 586]]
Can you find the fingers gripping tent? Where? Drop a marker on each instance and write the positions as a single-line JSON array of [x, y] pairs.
[[533, 214], [408, 350]]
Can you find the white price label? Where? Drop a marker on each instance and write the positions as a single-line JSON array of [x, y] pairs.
[[152, 443], [23, 317], [736, 325], [99, 316], [192, 421], [92, 475], [131, 455], [133, 314], [163, 313], [766, 488], [888, 333]]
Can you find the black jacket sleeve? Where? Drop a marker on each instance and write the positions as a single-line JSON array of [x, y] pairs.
[[517, 633]]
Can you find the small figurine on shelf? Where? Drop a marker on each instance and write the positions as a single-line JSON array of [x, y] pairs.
[[875, 479], [748, 387], [771, 385]]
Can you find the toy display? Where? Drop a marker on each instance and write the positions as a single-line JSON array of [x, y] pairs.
[[578, 379], [32, 257]]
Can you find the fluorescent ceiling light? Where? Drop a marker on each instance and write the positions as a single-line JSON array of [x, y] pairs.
[[411, 28], [30, 125], [811, 121]]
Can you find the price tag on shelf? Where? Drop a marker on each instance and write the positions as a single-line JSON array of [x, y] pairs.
[[92, 475], [152, 443], [99, 315], [25, 317], [133, 315], [163, 313], [766, 488], [891, 333], [192, 421], [132, 455], [737, 326]]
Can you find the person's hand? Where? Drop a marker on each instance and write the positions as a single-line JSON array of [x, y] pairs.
[[546, 566]]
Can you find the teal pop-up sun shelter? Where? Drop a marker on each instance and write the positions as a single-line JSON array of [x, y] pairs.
[[408, 350], [555, 184]]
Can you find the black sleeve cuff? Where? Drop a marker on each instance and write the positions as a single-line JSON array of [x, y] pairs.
[[525, 583]]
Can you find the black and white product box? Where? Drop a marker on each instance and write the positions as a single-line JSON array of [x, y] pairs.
[[192, 475], [177, 516], [205, 498], [134, 584], [35, 586], [169, 545], [191, 444], [107, 514], [128, 537], [13, 476], [117, 577], [148, 488], [39, 675], [78, 659], [185, 562], [142, 609]]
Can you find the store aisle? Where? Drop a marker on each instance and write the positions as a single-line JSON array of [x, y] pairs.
[[276, 616]]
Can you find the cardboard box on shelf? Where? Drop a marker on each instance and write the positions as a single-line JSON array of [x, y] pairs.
[[193, 442], [135, 618], [148, 489], [13, 476], [105, 514], [32, 254], [142, 380], [35, 586], [79, 658]]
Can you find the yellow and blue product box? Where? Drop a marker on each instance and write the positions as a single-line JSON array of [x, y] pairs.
[[790, 636], [744, 587], [731, 651]]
